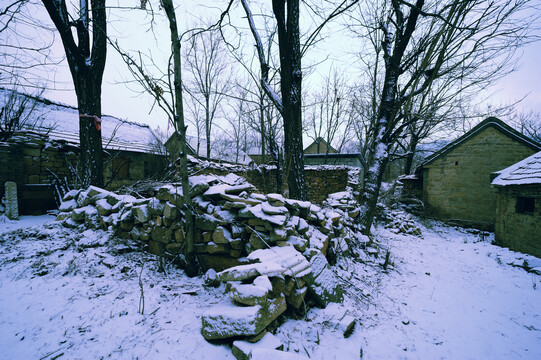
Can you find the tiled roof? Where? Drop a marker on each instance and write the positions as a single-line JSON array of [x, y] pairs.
[[61, 122], [525, 172]]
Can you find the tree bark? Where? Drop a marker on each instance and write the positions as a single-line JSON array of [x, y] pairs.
[[394, 49], [191, 264], [86, 65], [291, 87]]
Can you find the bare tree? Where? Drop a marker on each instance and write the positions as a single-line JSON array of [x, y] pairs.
[[418, 44], [25, 45], [328, 116], [86, 60], [17, 112], [167, 90], [528, 123], [210, 76]]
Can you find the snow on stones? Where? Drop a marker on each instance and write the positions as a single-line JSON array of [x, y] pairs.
[[224, 322], [269, 251]]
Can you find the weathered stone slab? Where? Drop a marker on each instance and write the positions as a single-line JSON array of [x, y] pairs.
[[213, 248], [248, 294], [276, 261], [325, 288], [70, 195], [273, 210], [11, 201], [224, 322], [163, 235], [103, 207], [242, 350], [276, 199], [141, 213], [206, 222], [170, 211], [221, 235], [68, 205]]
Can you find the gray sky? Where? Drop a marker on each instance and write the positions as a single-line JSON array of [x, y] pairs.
[[131, 30]]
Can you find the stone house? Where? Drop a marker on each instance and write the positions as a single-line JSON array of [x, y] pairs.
[[455, 180], [35, 157], [518, 209]]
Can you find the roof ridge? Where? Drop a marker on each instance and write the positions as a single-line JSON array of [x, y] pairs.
[[48, 102], [489, 121]]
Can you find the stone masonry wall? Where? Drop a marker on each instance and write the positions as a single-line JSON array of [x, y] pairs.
[[519, 232], [457, 185], [320, 181], [30, 160]]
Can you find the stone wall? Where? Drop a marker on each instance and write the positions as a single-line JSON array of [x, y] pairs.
[[456, 186], [519, 231], [31, 159], [320, 180]]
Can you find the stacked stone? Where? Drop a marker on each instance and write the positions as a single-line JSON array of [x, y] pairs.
[[231, 219], [269, 251], [277, 279]]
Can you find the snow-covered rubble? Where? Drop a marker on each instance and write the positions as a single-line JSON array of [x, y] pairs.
[[248, 237], [71, 293]]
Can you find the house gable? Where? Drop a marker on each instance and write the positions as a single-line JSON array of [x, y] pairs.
[[320, 146], [492, 122]]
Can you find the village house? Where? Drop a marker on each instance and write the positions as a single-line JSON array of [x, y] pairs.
[[45, 150], [518, 209], [319, 152], [454, 182]]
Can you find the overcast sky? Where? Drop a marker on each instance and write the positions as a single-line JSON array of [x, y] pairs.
[[122, 100]]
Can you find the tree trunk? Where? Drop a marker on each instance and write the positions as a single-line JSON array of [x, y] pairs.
[[86, 66], [191, 264], [291, 87], [411, 154], [394, 48], [91, 156], [207, 125]]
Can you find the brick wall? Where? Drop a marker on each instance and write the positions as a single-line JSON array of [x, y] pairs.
[[519, 231], [457, 184]]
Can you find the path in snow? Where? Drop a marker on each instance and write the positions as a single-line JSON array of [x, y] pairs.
[[454, 299]]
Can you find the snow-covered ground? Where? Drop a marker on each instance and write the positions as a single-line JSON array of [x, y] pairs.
[[67, 294]]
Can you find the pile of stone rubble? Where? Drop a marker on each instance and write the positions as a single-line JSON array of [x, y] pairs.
[[269, 251]]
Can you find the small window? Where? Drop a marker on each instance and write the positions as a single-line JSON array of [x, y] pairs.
[[525, 205], [121, 167]]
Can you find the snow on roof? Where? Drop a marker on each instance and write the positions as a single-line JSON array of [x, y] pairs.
[[61, 122], [525, 172]]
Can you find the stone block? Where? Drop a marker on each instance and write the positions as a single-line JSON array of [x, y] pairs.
[[163, 235], [206, 222], [222, 322], [221, 235], [242, 350], [218, 262], [174, 248], [248, 294], [213, 248], [324, 288], [296, 297], [156, 248], [171, 211], [103, 207]]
